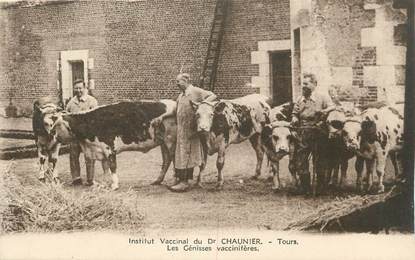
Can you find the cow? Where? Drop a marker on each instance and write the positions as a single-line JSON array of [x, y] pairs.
[[166, 135], [227, 122], [47, 145], [278, 141], [340, 154], [380, 135], [98, 128]]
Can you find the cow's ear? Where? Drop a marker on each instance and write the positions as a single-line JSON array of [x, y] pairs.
[[194, 104], [266, 133]]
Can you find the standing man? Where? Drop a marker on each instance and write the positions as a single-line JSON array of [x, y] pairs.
[[188, 152], [307, 112], [80, 102]]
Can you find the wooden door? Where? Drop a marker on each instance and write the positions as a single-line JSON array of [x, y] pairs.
[[281, 77]]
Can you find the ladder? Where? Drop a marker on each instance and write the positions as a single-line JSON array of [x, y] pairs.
[[208, 76]]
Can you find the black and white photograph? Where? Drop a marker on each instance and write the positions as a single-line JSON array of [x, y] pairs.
[[207, 129]]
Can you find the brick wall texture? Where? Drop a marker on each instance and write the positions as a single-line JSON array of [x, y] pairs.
[[138, 47]]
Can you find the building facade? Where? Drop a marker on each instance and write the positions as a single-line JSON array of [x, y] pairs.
[[355, 47], [134, 49]]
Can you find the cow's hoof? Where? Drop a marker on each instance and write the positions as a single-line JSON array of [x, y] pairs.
[[199, 185], [114, 187], [275, 188], [157, 182], [255, 177], [381, 189], [219, 187], [269, 179], [42, 179]]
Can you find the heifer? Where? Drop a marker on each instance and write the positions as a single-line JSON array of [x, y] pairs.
[[339, 155], [164, 135], [47, 145], [233, 121], [278, 141], [381, 132], [97, 129]]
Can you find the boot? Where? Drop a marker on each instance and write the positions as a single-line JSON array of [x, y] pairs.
[[183, 184]]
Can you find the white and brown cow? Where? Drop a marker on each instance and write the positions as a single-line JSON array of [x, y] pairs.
[[278, 141], [97, 129], [233, 121], [379, 136], [47, 145]]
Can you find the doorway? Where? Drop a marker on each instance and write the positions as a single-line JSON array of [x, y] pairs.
[[74, 65], [281, 77], [77, 70]]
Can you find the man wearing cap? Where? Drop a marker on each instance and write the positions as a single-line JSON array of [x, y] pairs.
[[308, 111], [80, 102], [188, 152]]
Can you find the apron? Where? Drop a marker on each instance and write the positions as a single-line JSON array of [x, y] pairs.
[[188, 147]]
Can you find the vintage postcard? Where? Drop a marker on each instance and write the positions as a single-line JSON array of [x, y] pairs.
[[207, 129]]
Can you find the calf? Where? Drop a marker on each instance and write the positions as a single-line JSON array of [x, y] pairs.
[[47, 145], [232, 121], [97, 129], [278, 141], [380, 135], [339, 154], [382, 128]]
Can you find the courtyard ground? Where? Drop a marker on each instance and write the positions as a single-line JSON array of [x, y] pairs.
[[242, 204]]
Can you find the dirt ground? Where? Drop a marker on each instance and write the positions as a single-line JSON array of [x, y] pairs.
[[243, 203]]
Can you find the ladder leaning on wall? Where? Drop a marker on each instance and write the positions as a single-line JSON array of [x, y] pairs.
[[208, 76]]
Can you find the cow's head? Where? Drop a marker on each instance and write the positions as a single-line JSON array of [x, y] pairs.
[[335, 123], [351, 133], [278, 136], [56, 125], [369, 131], [39, 114], [204, 112]]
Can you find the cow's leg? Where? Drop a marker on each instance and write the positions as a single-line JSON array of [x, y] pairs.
[[203, 164], [43, 155], [113, 167], [380, 168], [332, 173], [53, 159], [90, 170], [105, 163], [165, 165], [106, 167], [291, 164], [75, 151], [394, 155], [276, 175], [369, 174], [259, 151], [220, 162], [343, 168], [359, 170], [336, 174]]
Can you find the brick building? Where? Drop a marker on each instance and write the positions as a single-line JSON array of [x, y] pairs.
[[134, 49], [355, 46]]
